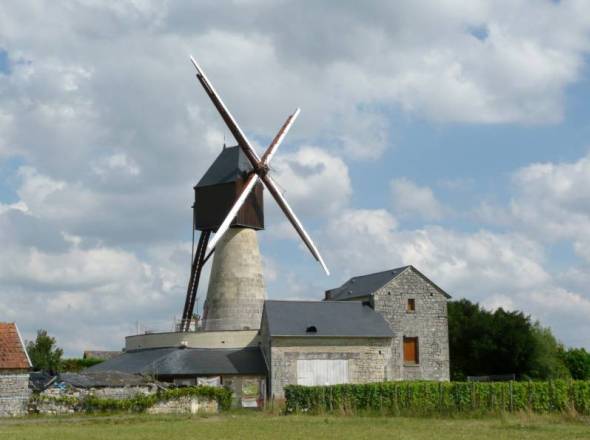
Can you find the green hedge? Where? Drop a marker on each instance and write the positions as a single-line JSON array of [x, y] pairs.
[[141, 402], [424, 398]]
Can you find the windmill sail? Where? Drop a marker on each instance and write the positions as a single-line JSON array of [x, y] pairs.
[[260, 168]]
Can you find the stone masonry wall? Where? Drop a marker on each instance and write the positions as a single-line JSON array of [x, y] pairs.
[[50, 401], [185, 405], [368, 358], [58, 401], [429, 323], [14, 394]]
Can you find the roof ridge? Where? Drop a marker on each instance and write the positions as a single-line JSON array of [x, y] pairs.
[[316, 301], [380, 272]]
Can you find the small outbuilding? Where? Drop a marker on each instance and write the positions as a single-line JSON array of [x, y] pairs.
[[323, 343], [242, 370], [15, 366]]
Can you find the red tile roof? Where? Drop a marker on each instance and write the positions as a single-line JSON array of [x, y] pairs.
[[12, 350]]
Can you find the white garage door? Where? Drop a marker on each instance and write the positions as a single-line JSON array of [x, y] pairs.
[[322, 372]]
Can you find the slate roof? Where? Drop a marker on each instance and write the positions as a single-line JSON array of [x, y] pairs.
[[186, 362], [330, 318], [95, 379], [101, 354], [13, 354], [365, 285], [231, 164]]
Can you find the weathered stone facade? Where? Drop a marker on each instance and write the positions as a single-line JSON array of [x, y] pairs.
[[428, 322], [367, 358], [57, 401], [236, 292], [14, 394], [185, 405], [60, 400]]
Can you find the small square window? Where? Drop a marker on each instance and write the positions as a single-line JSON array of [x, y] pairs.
[[411, 305]]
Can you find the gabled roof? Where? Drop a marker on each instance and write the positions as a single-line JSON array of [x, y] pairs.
[[365, 285], [13, 354], [186, 362], [324, 318], [230, 165]]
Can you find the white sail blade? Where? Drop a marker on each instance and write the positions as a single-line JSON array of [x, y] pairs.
[[274, 145], [226, 115], [272, 188], [246, 190]]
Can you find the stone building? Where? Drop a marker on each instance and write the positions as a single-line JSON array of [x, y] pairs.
[[323, 343], [390, 325], [416, 311], [14, 372]]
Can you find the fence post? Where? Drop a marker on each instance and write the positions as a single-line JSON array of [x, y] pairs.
[[511, 398]]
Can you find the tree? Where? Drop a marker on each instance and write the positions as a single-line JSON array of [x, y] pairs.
[[74, 365], [44, 354], [577, 361], [548, 361], [482, 343]]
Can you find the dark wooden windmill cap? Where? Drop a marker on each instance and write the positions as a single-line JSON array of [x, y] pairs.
[[220, 186], [231, 165]]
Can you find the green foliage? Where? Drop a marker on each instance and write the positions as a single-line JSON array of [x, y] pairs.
[[140, 402], [430, 398], [500, 342], [577, 361], [547, 362], [75, 365], [44, 354]]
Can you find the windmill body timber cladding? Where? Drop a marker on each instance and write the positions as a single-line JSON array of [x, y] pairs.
[[219, 188]]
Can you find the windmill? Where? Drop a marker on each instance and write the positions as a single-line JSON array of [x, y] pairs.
[[229, 202]]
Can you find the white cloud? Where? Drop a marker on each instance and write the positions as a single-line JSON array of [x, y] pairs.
[[551, 203], [410, 199], [113, 130], [315, 182], [116, 163]]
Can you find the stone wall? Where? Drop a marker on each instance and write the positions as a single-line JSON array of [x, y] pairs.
[[58, 400], [368, 358], [14, 394], [429, 323], [236, 292], [185, 405]]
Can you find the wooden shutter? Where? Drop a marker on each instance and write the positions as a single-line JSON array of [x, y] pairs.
[[410, 350]]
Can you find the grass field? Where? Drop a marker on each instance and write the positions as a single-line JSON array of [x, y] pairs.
[[263, 426]]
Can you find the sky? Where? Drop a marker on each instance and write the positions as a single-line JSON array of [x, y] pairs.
[[450, 135]]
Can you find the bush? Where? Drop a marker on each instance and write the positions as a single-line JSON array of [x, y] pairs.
[[427, 398], [578, 363]]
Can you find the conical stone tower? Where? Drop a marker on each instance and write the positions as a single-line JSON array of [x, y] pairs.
[[236, 292]]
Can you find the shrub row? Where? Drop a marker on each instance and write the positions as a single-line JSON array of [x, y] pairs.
[[425, 398], [141, 402]]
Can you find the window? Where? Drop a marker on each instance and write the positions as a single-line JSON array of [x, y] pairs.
[[411, 351], [322, 371], [411, 305]]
